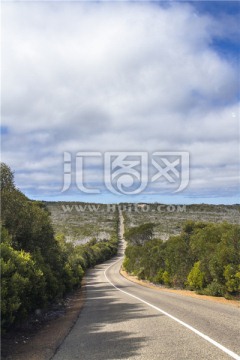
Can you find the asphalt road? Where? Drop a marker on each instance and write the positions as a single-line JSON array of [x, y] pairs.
[[123, 320]]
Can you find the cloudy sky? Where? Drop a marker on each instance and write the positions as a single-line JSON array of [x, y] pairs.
[[130, 77]]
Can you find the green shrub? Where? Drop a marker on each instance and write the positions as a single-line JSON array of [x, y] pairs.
[[166, 278], [158, 279], [22, 284], [205, 258], [232, 277], [214, 289], [195, 279], [37, 267]]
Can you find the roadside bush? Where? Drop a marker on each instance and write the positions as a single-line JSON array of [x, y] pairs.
[[204, 258], [158, 279], [166, 278], [214, 289], [195, 279], [232, 278], [22, 284], [38, 267]]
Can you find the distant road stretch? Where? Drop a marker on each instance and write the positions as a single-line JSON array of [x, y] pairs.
[[123, 320]]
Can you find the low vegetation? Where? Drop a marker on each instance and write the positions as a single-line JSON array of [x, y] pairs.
[[37, 266], [81, 222], [204, 257], [169, 219]]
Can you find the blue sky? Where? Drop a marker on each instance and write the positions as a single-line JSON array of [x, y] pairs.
[[122, 77]]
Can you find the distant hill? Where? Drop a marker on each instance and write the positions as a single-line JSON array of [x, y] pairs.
[[80, 222], [170, 218]]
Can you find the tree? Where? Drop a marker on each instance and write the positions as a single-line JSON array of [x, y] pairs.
[[22, 284], [232, 278], [178, 259], [6, 178], [138, 235], [195, 278], [37, 266], [204, 257]]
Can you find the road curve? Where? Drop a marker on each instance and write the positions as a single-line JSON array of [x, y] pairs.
[[123, 320]]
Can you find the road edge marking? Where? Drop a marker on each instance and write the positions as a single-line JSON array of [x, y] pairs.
[[189, 327]]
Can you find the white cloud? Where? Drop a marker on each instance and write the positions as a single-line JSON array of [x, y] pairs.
[[115, 76]]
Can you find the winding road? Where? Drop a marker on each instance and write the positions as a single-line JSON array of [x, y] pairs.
[[124, 320]]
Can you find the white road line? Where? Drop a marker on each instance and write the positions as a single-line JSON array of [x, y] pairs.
[[213, 342]]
